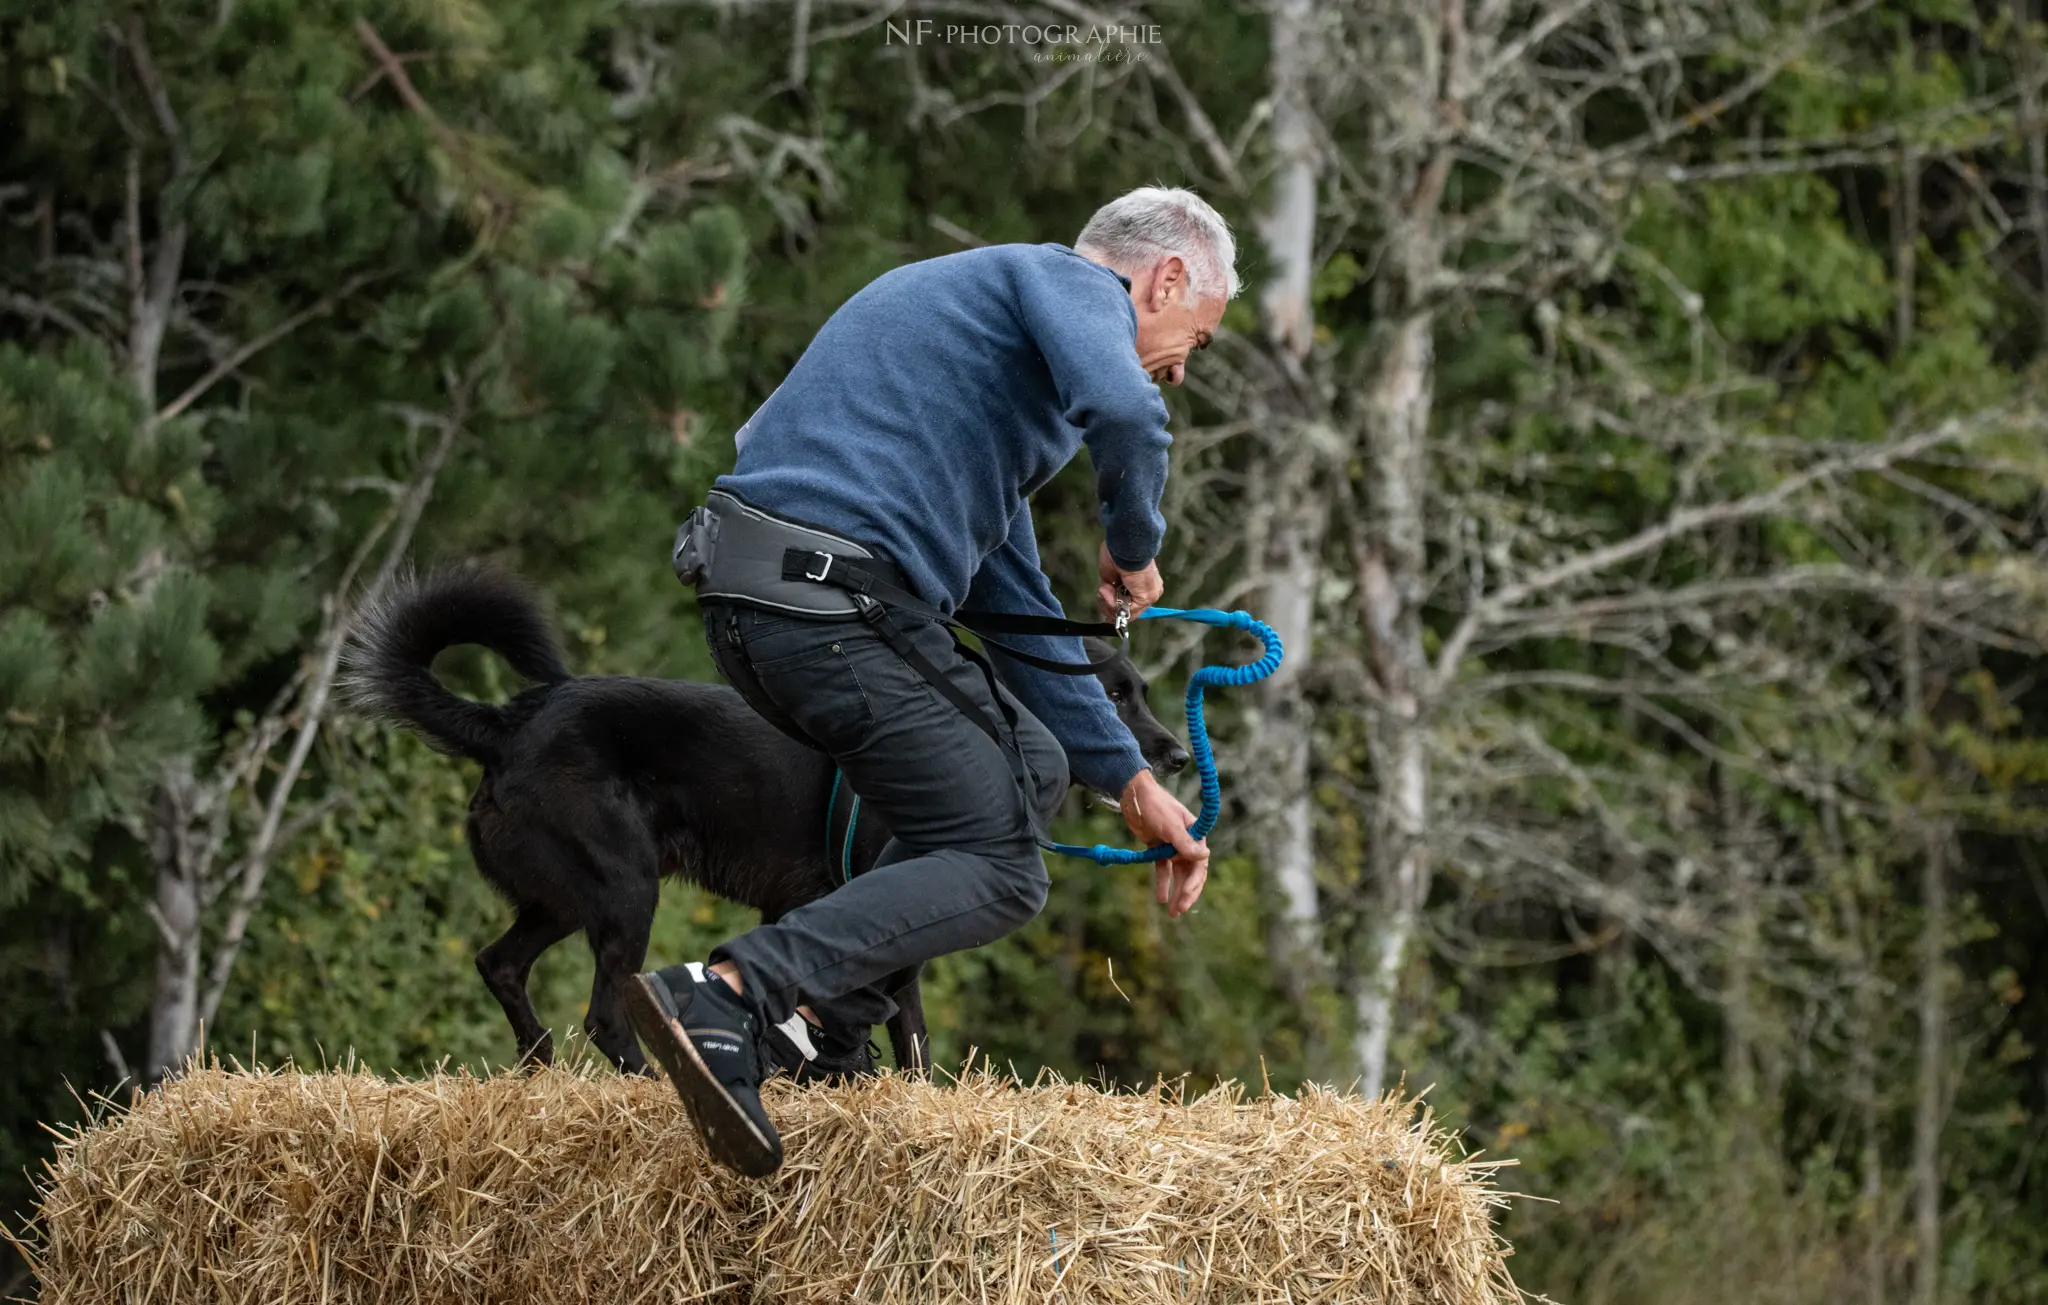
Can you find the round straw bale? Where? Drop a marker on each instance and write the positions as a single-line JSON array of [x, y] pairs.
[[572, 1185]]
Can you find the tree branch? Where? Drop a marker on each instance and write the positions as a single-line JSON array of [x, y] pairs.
[[1542, 30], [1691, 520], [36, 308], [150, 295], [249, 350]]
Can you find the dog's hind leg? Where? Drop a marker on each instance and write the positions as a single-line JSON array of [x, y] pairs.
[[618, 943], [907, 1034], [505, 965]]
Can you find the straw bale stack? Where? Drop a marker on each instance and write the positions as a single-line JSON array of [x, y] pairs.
[[570, 1185]]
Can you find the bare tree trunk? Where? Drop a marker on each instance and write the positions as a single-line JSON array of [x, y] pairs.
[[1297, 515], [1928, 1106], [1289, 224], [1392, 582], [1291, 517], [153, 279], [1738, 998], [1393, 579], [1866, 1009], [1870, 1198], [174, 1005], [312, 709], [152, 283]]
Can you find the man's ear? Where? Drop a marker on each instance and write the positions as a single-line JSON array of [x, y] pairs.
[[1169, 281]]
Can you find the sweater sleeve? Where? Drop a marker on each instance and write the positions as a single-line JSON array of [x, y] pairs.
[[1100, 751], [1081, 319]]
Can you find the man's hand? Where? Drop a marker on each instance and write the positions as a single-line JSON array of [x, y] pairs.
[[1156, 817], [1144, 587]]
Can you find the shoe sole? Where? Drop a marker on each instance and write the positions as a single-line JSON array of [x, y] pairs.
[[728, 1134]]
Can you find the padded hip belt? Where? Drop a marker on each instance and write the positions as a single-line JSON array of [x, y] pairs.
[[728, 549]]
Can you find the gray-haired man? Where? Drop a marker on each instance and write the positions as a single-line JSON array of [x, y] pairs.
[[903, 448]]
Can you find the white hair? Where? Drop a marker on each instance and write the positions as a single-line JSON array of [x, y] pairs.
[[1134, 231]]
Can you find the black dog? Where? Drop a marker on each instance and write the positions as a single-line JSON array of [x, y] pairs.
[[596, 788]]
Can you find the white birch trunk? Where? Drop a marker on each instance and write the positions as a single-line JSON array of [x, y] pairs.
[[174, 1006], [1291, 517], [1391, 585], [152, 286], [1930, 1105], [1280, 751], [1402, 861]]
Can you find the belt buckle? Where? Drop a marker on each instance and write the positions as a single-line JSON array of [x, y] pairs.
[[824, 570]]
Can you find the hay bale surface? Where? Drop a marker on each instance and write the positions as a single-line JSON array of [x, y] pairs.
[[577, 1186]]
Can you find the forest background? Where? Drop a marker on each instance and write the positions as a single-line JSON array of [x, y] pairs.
[[1633, 424]]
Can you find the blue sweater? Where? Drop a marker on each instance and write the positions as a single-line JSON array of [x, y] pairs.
[[933, 404]]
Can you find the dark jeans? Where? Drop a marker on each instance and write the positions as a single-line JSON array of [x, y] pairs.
[[963, 867]]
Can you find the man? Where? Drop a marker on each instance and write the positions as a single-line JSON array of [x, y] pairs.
[[896, 459]]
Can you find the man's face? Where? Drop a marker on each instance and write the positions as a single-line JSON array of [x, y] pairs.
[[1170, 326]]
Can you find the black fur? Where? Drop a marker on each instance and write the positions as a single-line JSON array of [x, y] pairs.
[[596, 788]]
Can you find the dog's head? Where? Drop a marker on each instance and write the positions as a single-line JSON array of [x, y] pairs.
[[1126, 688]]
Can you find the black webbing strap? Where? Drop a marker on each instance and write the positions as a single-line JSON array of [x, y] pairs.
[[876, 614], [859, 577]]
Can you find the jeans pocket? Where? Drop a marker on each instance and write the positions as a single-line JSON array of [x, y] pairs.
[[809, 676]]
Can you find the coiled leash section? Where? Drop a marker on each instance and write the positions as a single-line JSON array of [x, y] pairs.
[[1198, 729]]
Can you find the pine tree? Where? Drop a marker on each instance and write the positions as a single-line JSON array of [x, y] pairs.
[[104, 649], [301, 292]]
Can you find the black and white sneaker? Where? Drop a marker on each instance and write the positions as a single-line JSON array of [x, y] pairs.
[[811, 1052], [710, 1044], [844, 1054]]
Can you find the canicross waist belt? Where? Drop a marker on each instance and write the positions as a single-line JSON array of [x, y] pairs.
[[731, 549]]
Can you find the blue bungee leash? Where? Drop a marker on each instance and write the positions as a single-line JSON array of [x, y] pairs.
[[1198, 728]]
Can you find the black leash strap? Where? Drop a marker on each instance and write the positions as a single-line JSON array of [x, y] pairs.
[[876, 615], [854, 575]]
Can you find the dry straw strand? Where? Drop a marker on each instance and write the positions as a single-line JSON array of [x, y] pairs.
[[575, 1185]]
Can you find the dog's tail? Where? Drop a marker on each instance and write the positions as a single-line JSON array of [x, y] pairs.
[[390, 657]]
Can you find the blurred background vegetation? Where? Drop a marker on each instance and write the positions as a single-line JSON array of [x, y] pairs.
[[1632, 423]]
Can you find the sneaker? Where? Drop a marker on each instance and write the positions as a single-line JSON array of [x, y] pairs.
[[820, 1053], [843, 1055], [709, 1042]]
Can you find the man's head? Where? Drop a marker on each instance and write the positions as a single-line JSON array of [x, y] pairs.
[[1181, 259]]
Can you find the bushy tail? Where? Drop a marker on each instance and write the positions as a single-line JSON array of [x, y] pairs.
[[391, 653]]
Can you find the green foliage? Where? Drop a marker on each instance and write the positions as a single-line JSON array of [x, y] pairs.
[[104, 650]]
